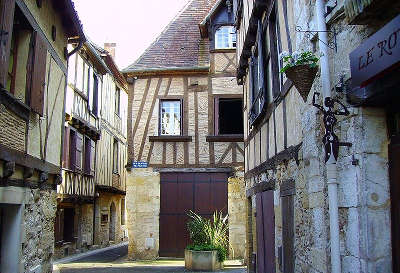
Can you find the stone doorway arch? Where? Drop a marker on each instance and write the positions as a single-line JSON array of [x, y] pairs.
[[112, 222]]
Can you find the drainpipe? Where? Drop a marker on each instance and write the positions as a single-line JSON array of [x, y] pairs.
[[331, 168]]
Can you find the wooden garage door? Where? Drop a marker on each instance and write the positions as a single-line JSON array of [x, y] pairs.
[[202, 193]]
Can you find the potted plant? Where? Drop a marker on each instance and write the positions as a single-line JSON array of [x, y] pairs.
[[210, 242], [301, 69]]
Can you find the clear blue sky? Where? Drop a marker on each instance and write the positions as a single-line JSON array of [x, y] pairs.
[[132, 24]]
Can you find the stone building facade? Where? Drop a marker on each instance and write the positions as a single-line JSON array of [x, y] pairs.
[[288, 181], [186, 139], [91, 196], [33, 73]]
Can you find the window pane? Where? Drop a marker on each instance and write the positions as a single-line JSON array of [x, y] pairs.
[[225, 37], [170, 118], [230, 116]]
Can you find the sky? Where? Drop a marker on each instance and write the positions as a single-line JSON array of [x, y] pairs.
[[132, 24]]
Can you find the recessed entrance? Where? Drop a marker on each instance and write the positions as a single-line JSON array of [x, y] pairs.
[[202, 193], [111, 233]]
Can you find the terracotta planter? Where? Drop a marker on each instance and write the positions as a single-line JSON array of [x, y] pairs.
[[302, 77], [202, 260]]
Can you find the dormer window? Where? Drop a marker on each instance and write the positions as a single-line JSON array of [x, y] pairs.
[[225, 37]]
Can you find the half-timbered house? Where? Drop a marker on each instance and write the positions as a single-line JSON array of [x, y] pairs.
[[316, 168], [33, 77], [185, 132], [90, 198], [109, 211]]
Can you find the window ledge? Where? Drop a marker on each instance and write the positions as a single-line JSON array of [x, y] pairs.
[[15, 105], [170, 138], [225, 138], [223, 50]]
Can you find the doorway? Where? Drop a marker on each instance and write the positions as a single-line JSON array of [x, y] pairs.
[[202, 193], [111, 233]]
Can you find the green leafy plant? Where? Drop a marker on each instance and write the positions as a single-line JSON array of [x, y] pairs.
[[208, 235], [296, 58]]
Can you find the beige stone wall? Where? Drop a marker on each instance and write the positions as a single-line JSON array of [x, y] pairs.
[[102, 229], [237, 215], [143, 209], [38, 226]]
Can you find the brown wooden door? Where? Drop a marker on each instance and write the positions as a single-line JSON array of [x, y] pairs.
[[394, 170], [202, 193], [265, 226]]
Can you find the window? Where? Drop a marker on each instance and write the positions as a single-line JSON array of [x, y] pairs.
[[76, 151], [228, 116], [170, 118], [24, 56], [95, 96], [115, 156], [117, 101], [90, 154], [225, 37], [262, 74]]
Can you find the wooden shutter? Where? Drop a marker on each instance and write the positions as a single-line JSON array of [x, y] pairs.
[[66, 147], [76, 151], [274, 55], [7, 8], [92, 157], [38, 74], [79, 151], [95, 95], [261, 67], [265, 227]]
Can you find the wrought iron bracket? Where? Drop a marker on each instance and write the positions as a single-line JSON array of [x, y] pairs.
[[332, 42], [330, 140]]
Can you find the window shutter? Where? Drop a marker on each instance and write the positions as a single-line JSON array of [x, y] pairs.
[[261, 66], [38, 74], [87, 155], [66, 147], [95, 95], [92, 157], [78, 152], [7, 8], [90, 89]]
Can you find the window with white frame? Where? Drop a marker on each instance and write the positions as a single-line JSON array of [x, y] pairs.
[[170, 117], [225, 37]]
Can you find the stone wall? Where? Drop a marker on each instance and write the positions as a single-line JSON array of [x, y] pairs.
[[38, 229], [102, 228], [237, 215], [143, 209]]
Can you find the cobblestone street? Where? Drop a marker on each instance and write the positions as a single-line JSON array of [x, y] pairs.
[[114, 260]]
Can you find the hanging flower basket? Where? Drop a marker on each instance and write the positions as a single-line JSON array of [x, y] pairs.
[[302, 77], [301, 69]]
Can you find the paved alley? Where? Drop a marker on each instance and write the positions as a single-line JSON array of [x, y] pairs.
[[114, 260]]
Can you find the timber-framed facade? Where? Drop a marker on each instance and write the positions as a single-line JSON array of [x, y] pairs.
[[185, 124], [287, 177], [91, 206], [33, 77]]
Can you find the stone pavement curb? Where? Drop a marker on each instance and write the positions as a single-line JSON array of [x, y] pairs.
[[88, 253]]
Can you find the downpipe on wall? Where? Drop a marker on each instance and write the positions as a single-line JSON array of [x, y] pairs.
[[331, 168]]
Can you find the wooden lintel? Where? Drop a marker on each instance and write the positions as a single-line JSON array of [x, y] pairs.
[[261, 187], [170, 138], [193, 170]]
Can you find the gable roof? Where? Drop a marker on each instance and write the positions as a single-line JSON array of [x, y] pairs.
[[180, 45]]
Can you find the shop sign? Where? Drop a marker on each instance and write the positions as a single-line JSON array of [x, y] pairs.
[[139, 165], [376, 54]]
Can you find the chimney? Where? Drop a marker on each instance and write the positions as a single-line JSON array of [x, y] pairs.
[[110, 47]]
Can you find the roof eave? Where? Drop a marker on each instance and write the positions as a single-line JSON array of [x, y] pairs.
[[166, 70]]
